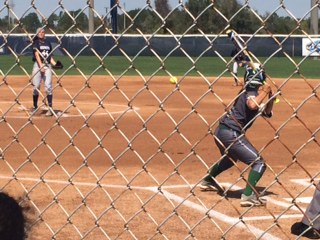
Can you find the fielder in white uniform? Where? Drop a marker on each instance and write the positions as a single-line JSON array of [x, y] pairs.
[[310, 225], [42, 57]]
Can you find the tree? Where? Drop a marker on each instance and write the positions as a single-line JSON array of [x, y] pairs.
[[210, 19], [145, 21], [31, 22], [180, 25], [244, 21], [162, 7], [70, 22], [52, 21], [195, 16], [4, 24], [196, 8]]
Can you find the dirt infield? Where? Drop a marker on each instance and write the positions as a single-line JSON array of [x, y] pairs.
[[121, 159]]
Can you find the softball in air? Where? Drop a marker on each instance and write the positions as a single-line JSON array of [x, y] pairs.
[[173, 80]]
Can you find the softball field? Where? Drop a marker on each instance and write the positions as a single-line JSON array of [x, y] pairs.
[[121, 158]]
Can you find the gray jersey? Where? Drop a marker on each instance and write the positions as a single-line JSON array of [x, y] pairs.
[[240, 117]]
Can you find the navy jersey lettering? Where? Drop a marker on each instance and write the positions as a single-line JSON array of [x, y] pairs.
[[44, 48]]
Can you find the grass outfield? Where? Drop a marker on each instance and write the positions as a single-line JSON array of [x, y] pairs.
[[277, 67]]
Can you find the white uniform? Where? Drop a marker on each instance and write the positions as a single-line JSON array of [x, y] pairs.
[[38, 76], [44, 48]]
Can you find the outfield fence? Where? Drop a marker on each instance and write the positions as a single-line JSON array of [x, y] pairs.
[[177, 45], [123, 156]]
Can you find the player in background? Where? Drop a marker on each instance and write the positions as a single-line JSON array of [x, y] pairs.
[[239, 61], [230, 135], [310, 224], [42, 58]]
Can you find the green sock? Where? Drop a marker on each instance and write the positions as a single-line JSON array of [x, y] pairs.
[[253, 178], [215, 171]]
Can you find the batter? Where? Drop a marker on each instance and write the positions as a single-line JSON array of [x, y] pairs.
[[230, 135]]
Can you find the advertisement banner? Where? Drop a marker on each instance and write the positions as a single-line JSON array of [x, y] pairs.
[[311, 47]]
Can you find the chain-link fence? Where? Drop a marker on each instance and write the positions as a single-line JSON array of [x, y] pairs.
[[114, 150]]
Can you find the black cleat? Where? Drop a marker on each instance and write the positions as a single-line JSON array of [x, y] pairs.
[[301, 229]]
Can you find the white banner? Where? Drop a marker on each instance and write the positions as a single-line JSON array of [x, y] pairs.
[[311, 47]]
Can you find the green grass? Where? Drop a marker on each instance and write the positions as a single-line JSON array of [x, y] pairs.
[[277, 67]]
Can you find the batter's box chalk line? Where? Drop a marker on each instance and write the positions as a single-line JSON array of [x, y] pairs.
[[59, 113]]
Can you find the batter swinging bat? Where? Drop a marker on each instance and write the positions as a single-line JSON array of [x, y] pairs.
[[241, 45]]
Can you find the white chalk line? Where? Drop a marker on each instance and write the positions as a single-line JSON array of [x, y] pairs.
[[66, 115], [227, 185], [190, 204], [269, 200], [217, 215], [304, 181], [212, 213], [300, 199]]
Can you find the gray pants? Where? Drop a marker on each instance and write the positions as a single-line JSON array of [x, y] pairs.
[[239, 148], [312, 214], [38, 76]]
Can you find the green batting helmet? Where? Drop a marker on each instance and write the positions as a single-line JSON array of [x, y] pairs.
[[254, 76]]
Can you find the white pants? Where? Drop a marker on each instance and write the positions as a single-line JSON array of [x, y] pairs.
[[235, 68], [38, 76], [312, 214]]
